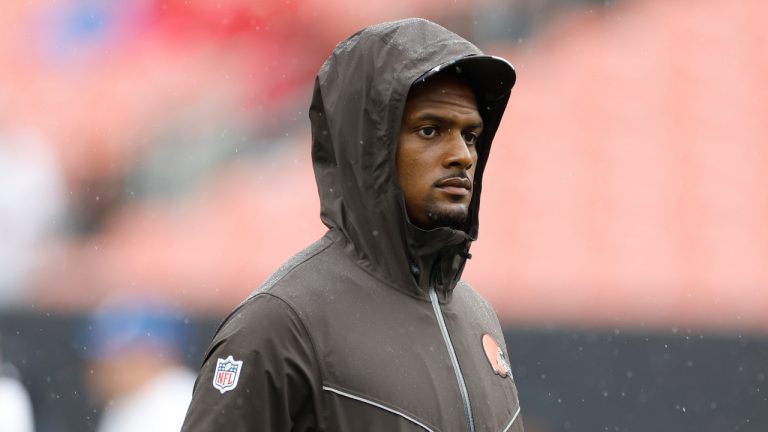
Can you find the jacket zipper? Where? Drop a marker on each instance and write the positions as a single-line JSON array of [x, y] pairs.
[[454, 359]]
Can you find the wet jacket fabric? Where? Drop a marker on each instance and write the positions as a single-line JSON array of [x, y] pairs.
[[371, 327]]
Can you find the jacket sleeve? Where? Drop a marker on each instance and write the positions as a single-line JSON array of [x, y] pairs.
[[275, 388]]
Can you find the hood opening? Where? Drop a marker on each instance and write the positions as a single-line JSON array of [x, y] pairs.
[[356, 113]]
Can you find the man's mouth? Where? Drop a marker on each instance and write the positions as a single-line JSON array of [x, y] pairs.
[[457, 185]]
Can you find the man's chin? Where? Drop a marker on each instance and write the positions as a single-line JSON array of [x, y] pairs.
[[454, 216]]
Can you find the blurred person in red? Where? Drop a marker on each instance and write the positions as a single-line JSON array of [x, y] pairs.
[[134, 351], [371, 328]]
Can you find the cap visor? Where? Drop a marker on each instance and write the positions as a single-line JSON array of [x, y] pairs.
[[492, 77]]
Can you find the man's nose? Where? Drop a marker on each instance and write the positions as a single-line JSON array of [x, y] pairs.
[[458, 154]]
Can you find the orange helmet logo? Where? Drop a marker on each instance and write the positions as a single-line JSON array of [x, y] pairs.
[[495, 356]]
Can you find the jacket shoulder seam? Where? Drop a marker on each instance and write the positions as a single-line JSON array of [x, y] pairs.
[[290, 265], [279, 274], [318, 365]]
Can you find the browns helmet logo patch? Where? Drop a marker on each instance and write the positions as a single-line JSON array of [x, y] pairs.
[[495, 356]]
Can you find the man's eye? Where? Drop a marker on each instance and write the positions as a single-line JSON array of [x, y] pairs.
[[427, 132], [470, 137]]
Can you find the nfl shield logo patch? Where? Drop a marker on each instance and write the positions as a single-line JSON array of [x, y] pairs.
[[227, 373]]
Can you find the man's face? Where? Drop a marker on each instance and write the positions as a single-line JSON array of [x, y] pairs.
[[436, 154]]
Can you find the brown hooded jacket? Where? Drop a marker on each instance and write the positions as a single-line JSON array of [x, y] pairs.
[[370, 328]]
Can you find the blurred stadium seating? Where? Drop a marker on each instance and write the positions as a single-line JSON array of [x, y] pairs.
[[162, 148]]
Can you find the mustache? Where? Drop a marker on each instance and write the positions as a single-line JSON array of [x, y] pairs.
[[456, 175]]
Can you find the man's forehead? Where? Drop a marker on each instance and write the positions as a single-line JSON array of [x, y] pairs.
[[442, 84], [445, 95]]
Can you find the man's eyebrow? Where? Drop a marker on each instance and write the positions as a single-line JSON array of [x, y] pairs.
[[441, 119]]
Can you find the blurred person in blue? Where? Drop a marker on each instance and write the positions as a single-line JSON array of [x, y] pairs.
[[16, 413], [134, 352]]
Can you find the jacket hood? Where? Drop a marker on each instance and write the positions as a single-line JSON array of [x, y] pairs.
[[357, 107]]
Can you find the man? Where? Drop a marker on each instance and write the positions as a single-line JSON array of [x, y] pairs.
[[370, 328]]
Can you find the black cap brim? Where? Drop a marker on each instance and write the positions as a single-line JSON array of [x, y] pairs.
[[492, 77]]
